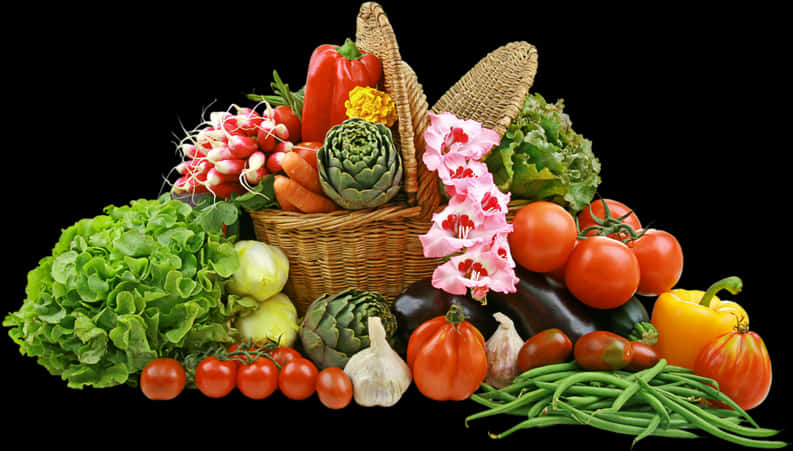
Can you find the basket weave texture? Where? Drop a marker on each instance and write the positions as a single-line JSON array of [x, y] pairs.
[[378, 249]]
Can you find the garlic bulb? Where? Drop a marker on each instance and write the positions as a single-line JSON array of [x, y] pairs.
[[379, 375], [502, 352]]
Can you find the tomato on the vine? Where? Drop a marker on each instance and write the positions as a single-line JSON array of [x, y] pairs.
[[162, 379], [616, 211], [602, 272], [284, 354], [660, 261], [259, 379], [216, 378], [298, 379], [543, 235], [334, 388]]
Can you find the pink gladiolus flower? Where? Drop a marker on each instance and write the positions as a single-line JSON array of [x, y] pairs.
[[449, 134], [478, 269], [458, 172], [485, 194], [461, 224]]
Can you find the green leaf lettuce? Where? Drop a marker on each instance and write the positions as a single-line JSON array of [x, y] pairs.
[[540, 157]]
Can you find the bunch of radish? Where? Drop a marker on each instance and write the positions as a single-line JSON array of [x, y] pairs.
[[232, 151]]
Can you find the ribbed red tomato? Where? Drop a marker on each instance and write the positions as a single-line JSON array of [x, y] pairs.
[[740, 363], [447, 357]]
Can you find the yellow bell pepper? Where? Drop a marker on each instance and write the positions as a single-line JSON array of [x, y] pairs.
[[687, 320]]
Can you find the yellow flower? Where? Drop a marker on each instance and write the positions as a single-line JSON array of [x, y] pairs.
[[371, 105]]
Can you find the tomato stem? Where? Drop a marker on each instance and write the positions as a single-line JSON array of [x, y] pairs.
[[732, 284], [609, 225]]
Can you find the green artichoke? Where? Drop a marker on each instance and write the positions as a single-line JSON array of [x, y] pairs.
[[335, 326], [359, 164]]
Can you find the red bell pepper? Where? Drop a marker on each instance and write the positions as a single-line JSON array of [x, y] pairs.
[[333, 71]]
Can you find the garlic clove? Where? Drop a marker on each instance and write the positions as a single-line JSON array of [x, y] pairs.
[[502, 350], [379, 375]]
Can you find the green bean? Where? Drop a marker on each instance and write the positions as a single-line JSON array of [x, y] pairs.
[[538, 406], [549, 420], [620, 428], [675, 406], [568, 382], [645, 375], [627, 417], [651, 428], [583, 389], [545, 369], [520, 401], [712, 393], [518, 411]]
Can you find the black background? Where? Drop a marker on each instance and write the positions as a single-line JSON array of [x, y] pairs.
[[682, 106]]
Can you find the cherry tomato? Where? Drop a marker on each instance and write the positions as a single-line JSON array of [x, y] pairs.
[[162, 379], [602, 350], [240, 359], [543, 236], [298, 379], [643, 356], [283, 114], [259, 379], [740, 363], [334, 388], [602, 273], [283, 354], [216, 378], [545, 348], [616, 210], [660, 261]]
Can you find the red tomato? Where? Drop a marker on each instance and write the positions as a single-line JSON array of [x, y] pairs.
[[543, 236], [602, 273], [660, 261], [334, 388], [283, 354], [602, 350], [259, 379], [740, 363], [447, 357], [545, 348], [643, 356], [216, 378], [616, 210], [298, 379], [162, 379], [308, 150], [283, 114]]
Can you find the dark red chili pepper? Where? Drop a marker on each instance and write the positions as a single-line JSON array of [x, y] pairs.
[[332, 73]]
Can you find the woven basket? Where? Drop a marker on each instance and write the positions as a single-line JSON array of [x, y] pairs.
[[378, 249]]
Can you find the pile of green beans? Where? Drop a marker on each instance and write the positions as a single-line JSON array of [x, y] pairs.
[[664, 400]]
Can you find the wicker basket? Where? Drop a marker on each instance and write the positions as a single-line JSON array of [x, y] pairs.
[[378, 249]]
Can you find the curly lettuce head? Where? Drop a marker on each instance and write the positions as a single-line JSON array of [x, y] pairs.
[[141, 281], [540, 157]]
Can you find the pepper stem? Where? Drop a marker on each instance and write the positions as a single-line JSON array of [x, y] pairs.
[[732, 284], [349, 50]]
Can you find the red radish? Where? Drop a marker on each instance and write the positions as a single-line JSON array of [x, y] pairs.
[[230, 167], [265, 136], [242, 146], [283, 114], [214, 177], [281, 132], [189, 150], [189, 184], [225, 190], [193, 167], [256, 160], [284, 146], [210, 138], [274, 161], [219, 154], [219, 118], [248, 121], [254, 176]]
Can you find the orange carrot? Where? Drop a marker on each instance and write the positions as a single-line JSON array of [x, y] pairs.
[[301, 171], [304, 200]]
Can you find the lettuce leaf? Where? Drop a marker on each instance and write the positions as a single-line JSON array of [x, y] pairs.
[[540, 157], [140, 281]]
